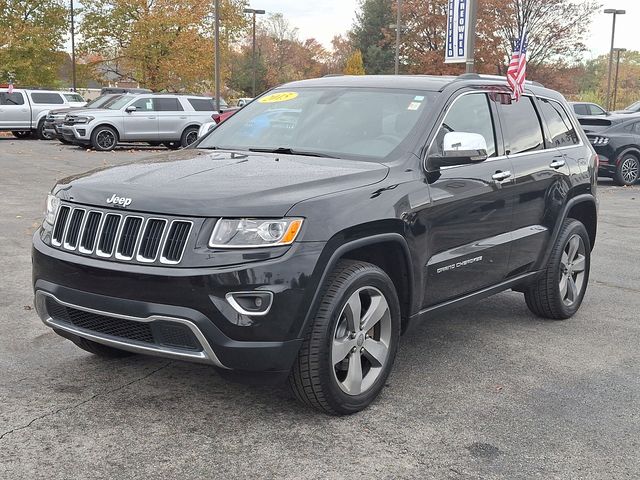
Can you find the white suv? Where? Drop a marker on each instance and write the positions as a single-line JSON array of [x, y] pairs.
[[172, 120]]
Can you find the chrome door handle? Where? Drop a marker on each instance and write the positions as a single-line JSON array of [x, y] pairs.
[[557, 163], [183, 118], [501, 176], [151, 118]]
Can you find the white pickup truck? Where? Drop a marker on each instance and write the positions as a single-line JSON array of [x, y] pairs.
[[23, 111]]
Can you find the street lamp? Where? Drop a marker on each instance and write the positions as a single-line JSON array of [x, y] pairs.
[[615, 83], [254, 12], [217, 54], [615, 13], [73, 49]]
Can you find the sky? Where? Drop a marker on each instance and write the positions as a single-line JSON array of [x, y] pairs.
[[322, 19]]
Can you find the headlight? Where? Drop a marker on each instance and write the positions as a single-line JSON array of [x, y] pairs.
[[53, 203], [83, 119], [254, 232]]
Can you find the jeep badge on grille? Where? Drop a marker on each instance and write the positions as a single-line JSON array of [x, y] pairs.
[[119, 201]]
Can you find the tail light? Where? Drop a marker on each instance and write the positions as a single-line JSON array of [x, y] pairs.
[[599, 140]]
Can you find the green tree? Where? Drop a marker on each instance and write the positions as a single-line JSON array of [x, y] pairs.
[[355, 65], [31, 40], [369, 35]]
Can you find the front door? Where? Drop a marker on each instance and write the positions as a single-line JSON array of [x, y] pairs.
[[469, 219], [141, 125], [15, 112]]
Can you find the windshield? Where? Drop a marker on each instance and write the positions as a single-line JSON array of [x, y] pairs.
[[102, 101], [634, 106], [119, 102], [356, 123], [73, 97]]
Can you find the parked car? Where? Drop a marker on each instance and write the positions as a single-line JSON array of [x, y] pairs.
[[216, 118], [582, 109], [172, 120], [307, 232], [616, 139], [55, 118], [243, 101], [23, 111], [121, 90], [633, 108]]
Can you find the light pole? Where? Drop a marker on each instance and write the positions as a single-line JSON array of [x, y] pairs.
[[217, 54], [472, 11], [253, 48], [398, 27], [73, 49], [613, 36], [615, 82]]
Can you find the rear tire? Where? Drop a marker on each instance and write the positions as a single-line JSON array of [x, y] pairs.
[[627, 171], [189, 136], [348, 353], [22, 134], [100, 350], [104, 139], [558, 293]]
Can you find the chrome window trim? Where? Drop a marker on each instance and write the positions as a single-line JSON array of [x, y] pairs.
[[205, 356], [119, 256], [65, 244], [162, 237], [162, 257], [95, 241], [99, 252]]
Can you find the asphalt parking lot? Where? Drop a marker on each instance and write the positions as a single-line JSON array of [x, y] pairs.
[[487, 391]]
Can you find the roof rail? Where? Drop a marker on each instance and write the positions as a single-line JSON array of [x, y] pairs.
[[477, 76]]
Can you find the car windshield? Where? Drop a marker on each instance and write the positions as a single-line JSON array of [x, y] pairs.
[[354, 123], [634, 106], [73, 97], [119, 103], [103, 101]]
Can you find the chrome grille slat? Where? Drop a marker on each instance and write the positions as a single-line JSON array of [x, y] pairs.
[[109, 234]]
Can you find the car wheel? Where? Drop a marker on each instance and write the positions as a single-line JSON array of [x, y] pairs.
[[104, 139], [99, 349], [628, 170], [21, 134], [189, 136], [349, 351], [42, 135], [172, 145], [558, 293]]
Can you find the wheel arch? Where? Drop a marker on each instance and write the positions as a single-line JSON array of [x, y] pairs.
[[625, 150], [107, 124]]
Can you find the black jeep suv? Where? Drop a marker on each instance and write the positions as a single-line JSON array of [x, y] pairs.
[[302, 236]]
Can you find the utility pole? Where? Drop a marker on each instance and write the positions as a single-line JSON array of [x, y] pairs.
[[398, 30], [217, 54], [613, 36], [615, 82], [73, 49], [253, 48], [472, 11]]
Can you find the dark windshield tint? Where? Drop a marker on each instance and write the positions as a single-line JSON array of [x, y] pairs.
[[357, 123]]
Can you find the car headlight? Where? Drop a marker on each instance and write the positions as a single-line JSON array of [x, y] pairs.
[[53, 203], [83, 120], [254, 232]]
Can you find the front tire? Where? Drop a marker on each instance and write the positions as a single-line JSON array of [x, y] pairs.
[[558, 293], [104, 139], [627, 171], [348, 353], [42, 135]]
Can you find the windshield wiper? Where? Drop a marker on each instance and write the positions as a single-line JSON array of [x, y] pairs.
[[290, 151]]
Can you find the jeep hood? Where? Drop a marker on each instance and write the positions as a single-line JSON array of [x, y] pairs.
[[205, 183]]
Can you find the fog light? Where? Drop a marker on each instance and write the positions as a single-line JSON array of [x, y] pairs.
[[254, 303], [82, 132]]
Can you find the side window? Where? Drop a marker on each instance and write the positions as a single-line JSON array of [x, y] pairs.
[[471, 114], [167, 105], [580, 109], [560, 128], [521, 126], [14, 98], [143, 105], [202, 104], [595, 110], [47, 98]]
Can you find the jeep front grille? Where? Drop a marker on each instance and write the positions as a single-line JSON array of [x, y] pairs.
[[125, 237]]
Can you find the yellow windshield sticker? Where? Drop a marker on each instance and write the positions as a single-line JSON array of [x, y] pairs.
[[278, 97]]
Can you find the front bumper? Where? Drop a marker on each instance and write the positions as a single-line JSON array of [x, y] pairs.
[[75, 133], [52, 128], [190, 297]]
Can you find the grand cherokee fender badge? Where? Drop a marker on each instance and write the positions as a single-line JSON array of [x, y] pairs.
[[119, 201]]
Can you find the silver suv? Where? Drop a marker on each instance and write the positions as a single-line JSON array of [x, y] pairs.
[[172, 120], [23, 111]]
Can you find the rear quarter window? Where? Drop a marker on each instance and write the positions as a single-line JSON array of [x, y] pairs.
[[562, 133], [47, 98]]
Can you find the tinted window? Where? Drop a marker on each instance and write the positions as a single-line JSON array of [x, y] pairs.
[[14, 98], [595, 110], [203, 104], [471, 114], [167, 105], [48, 98], [561, 130], [580, 109], [143, 105], [521, 126]]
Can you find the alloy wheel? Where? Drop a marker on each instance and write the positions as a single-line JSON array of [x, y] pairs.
[[572, 270], [630, 169], [105, 139], [361, 340], [191, 137]]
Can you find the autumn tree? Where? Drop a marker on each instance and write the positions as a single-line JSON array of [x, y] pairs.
[[161, 44], [355, 65], [369, 35], [341, 51], [31, 40]]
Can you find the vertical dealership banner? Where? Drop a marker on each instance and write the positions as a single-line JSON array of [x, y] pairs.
[[457, 29]]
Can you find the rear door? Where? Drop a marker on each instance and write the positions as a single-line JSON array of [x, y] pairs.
[[541, 173], [141, 125], [469, 218], [15, 112], [172, 119]]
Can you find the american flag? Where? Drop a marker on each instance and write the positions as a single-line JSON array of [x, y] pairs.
[[517, 71], [10, 89]]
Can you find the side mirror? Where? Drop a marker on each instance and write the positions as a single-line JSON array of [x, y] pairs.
[[460, 148], [130, 109]]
